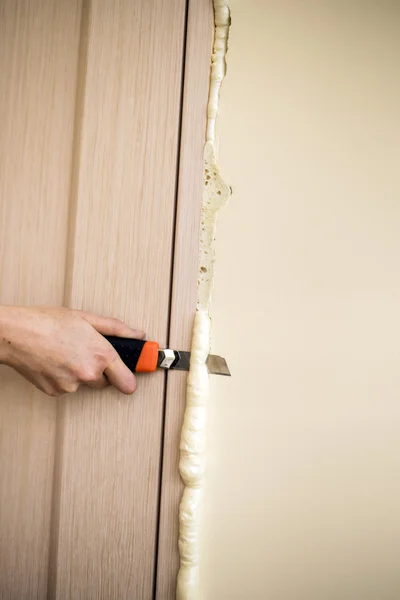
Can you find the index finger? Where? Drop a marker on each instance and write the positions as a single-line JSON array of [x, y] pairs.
[[111, 326]]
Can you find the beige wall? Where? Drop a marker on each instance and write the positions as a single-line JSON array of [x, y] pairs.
[[303, 488]]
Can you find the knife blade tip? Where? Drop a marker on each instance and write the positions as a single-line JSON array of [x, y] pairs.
[[217, 365]]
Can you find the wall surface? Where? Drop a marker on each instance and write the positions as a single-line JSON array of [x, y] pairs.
[[302, 490]]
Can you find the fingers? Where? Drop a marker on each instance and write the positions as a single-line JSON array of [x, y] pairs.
[[100, 383], [110, 326], [120, 376]]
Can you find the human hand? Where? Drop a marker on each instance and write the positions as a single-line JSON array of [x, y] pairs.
[[59, 349]]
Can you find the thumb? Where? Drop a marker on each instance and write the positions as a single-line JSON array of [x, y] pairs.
[[111, 326], [120, 376]]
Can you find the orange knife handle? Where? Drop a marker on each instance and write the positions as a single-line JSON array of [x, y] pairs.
[[138, 355]]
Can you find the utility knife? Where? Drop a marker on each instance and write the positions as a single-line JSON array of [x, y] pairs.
[[141, 356]]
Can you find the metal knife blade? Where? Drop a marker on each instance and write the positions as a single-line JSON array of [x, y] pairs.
[[179, 360]]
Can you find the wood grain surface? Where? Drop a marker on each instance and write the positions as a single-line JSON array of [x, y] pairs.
[[38, 63], [119, 263], [185, 273], [90, 103]]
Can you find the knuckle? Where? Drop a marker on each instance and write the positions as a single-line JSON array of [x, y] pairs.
[[111, 356], [103, 358], [47, 388], [89, 374], [108, 354], [70, 388]]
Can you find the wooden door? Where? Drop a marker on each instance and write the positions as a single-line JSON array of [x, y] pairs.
[[90, 104]]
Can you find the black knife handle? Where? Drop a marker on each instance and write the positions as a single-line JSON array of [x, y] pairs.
[[139, 356]]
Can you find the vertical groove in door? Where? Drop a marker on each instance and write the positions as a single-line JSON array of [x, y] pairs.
[[76, 147], [69, 262], [123, 197], [198, 47], [184, 40]]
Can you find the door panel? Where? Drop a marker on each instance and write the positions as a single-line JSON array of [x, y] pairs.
[[120, 264], [38, 64], [90, 98]]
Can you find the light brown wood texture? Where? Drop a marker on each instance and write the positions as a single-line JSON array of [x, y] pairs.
[[90, 104], [185, 273], [38, 63], [123, 207]]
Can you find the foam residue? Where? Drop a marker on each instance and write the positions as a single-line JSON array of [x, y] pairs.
[[215, 197], [193, 436]]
